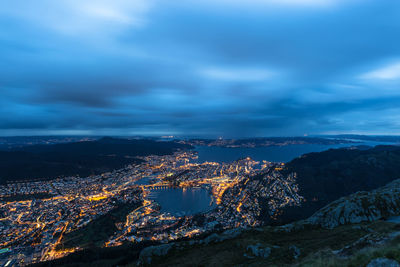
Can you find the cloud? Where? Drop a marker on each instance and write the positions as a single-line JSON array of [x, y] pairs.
[[231, 68], [75, 18], [276, 3], [301, 2], [389, 72], [124, 12], [238, 74]]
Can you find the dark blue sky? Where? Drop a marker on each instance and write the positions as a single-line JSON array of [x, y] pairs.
[[184, 67]]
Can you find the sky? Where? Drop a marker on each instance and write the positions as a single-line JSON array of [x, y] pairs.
[[193, 68]]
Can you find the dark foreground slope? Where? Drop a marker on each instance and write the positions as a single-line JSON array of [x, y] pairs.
[[326, 176], [344, 246], [78, 158]]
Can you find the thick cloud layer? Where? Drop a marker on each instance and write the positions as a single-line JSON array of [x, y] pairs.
[[186, 67]]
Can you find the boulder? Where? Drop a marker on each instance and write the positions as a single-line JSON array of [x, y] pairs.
[[258, 251], [215, 238], [295, 250]]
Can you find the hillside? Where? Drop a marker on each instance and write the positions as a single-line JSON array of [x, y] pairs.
[[344, 246], [77, 158], [363, 206], [326, 176]]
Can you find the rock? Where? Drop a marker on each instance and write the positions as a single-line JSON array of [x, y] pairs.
[[231, 233], [295, 226], [258, 251], [215, 238], [365, 241], [248, 256], [383, 262], [295, 250], [148, 253]]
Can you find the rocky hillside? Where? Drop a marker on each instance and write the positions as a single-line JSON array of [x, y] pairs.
[[362, 206], [346, 245]]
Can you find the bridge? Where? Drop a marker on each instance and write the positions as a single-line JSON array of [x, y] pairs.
[[156, 186]]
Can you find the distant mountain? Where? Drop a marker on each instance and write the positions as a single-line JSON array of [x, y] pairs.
[[109, 146], [77, 158], [13, 142], [376, 138], [266, 141]]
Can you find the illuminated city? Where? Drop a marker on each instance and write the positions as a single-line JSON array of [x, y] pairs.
[[34, 230]]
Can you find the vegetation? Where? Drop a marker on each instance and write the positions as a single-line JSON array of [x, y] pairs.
[[79, 158], [317, 248], [391, 250]]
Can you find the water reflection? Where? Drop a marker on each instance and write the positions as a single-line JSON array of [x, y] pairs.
[[183, 201]]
